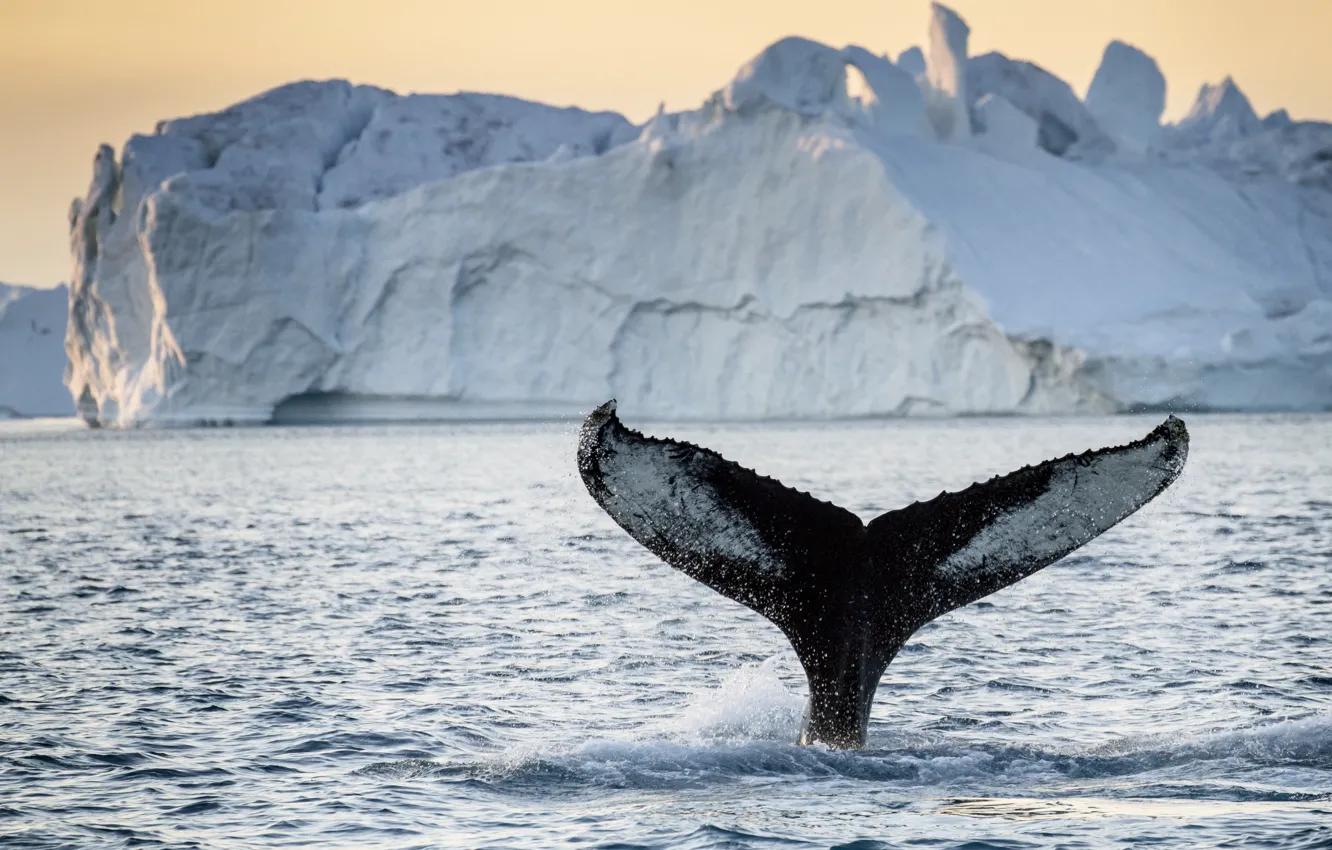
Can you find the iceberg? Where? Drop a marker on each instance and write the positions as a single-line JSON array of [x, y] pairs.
[[1003, 126], [1277, 119], [705, 270], [1220, 112], [888, 93], [946, 81], [792, 248], [1127, 96], [1065, 126], [32, 352], [912, 61], [1223, 133]]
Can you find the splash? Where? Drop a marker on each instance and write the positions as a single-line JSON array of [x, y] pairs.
[[753, 703]]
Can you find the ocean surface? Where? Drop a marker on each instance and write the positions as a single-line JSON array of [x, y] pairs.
[[430, 636]]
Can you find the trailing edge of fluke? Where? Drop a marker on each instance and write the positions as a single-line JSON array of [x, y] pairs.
[[848, 594]]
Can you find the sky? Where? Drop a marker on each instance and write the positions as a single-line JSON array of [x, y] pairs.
[[76, 73]]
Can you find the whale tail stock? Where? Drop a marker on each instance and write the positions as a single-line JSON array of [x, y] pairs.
[[847, 594]]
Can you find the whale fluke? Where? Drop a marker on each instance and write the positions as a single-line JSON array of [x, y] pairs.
[[846, 594]]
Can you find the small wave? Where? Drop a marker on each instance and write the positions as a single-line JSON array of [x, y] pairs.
[[1306, 742], [1030, 808], [664, 763], [746, 728], [656, 764], [198, 807]]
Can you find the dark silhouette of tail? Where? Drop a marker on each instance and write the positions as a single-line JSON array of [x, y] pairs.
[[849, 595]]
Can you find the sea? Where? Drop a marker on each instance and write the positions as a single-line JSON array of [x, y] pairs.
[[421, 636]]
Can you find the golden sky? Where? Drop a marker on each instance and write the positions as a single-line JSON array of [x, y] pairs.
[[74, 73]]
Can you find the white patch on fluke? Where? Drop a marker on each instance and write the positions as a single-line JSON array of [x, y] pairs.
[[651, 493], [1083, 499]]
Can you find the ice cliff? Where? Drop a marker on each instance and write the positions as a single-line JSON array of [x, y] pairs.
[[32, 352], [949, 234]]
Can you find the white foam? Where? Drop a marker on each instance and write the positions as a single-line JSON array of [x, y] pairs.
[[752, 703]]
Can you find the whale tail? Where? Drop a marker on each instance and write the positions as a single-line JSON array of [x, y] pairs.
[[846, 594]]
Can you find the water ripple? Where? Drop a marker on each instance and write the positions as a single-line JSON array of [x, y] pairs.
[[430, 636]]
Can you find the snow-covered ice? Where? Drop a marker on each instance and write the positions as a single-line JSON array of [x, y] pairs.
[[32, 352], [1180, 286], [1223, 133], [705, 271], [1064, 124], [946, 99], [794, 74], [1220, 112], [1277, 119], [889, 94], [1127, 96], [1002, 126], [912, 61], [804, 244]]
